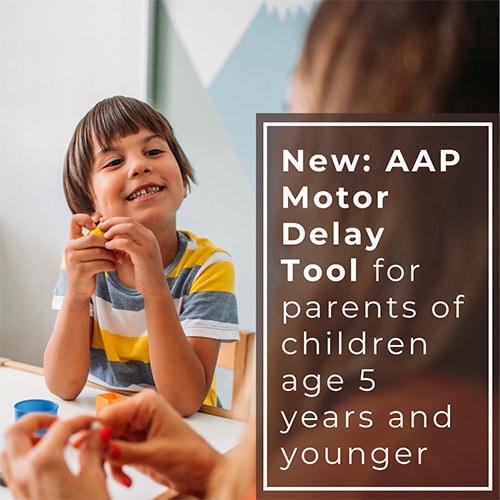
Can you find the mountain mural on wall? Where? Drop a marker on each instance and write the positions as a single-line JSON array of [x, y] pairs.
[[244, 53]]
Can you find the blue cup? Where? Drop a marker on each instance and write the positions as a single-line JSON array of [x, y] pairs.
[[22, 408]]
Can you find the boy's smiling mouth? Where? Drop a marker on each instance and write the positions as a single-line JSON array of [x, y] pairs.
[[144, 191]]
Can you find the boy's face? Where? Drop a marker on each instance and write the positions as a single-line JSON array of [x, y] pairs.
[[137, 177]]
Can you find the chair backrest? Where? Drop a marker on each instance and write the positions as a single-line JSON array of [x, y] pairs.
[[238, 357]]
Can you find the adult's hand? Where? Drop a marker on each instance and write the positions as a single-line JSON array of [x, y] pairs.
[[150, 434], [35, 467]]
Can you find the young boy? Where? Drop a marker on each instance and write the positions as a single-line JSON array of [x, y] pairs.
[[139, 303]]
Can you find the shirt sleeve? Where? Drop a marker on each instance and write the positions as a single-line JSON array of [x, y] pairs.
[[210, 308], [59, 290]]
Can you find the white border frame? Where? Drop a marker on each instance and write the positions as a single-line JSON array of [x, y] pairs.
[[266, 126]]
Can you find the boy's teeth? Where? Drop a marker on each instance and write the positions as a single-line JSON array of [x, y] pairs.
[[144, 192]]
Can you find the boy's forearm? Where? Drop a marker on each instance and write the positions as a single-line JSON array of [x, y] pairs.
[[179, 374], [67, 356]]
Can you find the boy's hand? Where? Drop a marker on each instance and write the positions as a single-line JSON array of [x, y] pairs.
[[136, 248], [85, 256]]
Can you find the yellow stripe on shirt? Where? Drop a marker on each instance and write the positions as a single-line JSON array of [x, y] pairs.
[[220, 281], [119, 348]]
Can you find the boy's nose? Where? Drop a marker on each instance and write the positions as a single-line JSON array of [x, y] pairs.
[[139, 167]]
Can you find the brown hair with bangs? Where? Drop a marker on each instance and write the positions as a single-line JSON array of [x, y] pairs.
[[109, 119]]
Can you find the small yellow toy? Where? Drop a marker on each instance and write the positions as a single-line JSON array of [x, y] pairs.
[[97, 230]]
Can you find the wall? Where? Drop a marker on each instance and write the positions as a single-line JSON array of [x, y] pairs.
[[57, 59]]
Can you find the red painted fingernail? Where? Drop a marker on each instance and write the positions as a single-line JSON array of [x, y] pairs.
[[127, 482], [115, 452], [105, 434]]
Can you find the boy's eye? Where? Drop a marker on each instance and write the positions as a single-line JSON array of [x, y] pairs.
[[154, 152], [113, 163]]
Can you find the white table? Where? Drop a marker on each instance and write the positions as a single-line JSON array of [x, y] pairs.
[[15, 385]]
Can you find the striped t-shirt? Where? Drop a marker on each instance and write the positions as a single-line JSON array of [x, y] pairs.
[[201, 279]]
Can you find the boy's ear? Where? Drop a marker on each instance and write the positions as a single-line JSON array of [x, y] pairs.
[[185, 190]]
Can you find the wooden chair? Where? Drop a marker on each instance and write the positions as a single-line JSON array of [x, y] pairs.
[[237, 357]]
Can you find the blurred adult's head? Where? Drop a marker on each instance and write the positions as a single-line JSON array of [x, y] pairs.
[[399, 56]]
